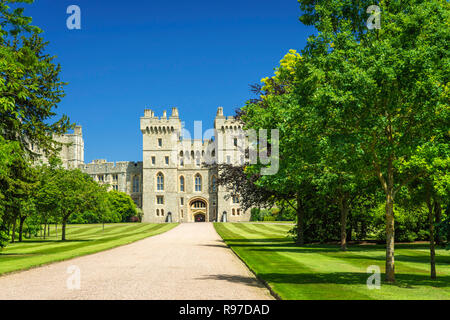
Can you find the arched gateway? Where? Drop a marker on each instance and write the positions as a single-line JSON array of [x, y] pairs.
[[198, 208]]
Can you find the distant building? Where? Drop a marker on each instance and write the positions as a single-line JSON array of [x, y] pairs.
[[172, 178]]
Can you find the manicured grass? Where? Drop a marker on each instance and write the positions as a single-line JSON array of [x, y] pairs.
[[324, 272], [81, 240]]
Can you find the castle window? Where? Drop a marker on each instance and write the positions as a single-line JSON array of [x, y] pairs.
[[182, 215], [136, 184], [238, 212], [159, 199], [162, 212], [101, 178], [160, 142], [115, 177], [233, 212], [235, 142], [181, 158], [157, 212], [182, 201], [182, 184], [153, 160], [198, 204], [198, 182], [235, 199], [115, 187], [214, 184], [167, 160], [160, 182]]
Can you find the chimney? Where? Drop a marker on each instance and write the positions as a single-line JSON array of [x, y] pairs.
[[148, 113], [219, 112], [174, 113], [78, 131]]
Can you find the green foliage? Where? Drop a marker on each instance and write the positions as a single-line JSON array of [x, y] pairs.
[[30, 88], [410, 224]]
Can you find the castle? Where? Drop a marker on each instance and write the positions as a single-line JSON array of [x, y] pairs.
[[172, 183]]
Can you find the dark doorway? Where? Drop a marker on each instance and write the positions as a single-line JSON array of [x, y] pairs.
[[200, 217]]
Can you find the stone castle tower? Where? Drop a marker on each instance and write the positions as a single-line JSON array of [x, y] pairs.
[[177, 185]]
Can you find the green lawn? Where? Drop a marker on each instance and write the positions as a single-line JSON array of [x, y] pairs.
[[324, 272], [81, 240]]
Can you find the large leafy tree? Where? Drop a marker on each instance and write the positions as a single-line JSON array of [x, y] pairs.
[[121, 206], [384, 90], [65, 192], [30, 88]]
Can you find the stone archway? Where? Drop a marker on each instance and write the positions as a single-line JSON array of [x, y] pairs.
[[198, 208]]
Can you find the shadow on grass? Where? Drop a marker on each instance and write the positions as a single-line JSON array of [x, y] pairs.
[[440, 260], [53, 241], [249, 281], [353, 278], [17, 254]]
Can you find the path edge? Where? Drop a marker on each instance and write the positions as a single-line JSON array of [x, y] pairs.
[[261, 280]]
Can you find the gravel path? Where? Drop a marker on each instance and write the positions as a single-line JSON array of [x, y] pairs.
[[188, 262]]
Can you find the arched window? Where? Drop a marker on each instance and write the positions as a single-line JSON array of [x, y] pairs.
[[136, 184], [160, 182], [198, 204], [198, 182], [181, 158], [157, 212], [214, 184], [233, 212], [162, 212], [181, 183]]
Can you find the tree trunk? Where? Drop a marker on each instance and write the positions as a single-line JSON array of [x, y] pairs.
[[343, 206], [56, 230], [432, 249], [63, 237], [438, 217], [45, 229], [22, 220], [300, 222], [48, 230], [390, 238], [13, 237]]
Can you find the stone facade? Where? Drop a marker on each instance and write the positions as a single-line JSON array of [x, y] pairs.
[[177, 185], [171, 183]]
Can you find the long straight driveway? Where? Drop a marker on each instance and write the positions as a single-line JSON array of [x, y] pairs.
[[188, 262]]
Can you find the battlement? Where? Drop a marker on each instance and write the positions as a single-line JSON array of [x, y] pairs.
[[103, 166], [150, 123]]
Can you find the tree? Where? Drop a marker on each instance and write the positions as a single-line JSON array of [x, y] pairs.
[[64, 192], [30, 88], [384, 90], [121, 205], [277, 108]]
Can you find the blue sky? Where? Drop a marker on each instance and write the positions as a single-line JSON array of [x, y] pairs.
[[132, 55]]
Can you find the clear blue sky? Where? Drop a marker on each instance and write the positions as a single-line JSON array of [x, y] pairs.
[[132, 55]]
